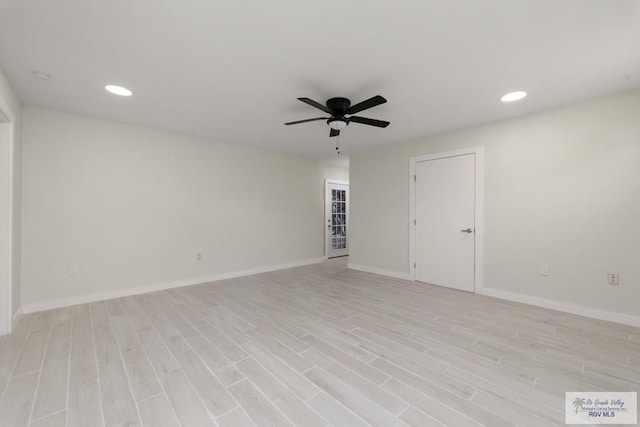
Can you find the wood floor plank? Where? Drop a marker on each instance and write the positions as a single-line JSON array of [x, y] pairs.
[[347, 342], [30, 359], [117, 399], [335, 413], [181, 323], [479, 414], [372, 391], [11, 346], [185, 401], [85, 409], [423, 378], [84, 368], [222, 312], [114, 307], [234, 333], [285, 339], [43, 322], [416, 418], [171, 337], [141, 374], [157, 412], [153, 313], [259, 409], [518, 413], [211, 391], [430, 406], [370, 373], [383, 348], [15, 406], [399, 341], [56, 420], [150, 339], [235, 418], [137, 316], [352, 399], [60, 340], [284, 399], [4, 380], [52, 390], [283, 352], [190, 314], [162, 360], [105, 340], [144, 381], [292, 378], [230, 349], [213, 358]]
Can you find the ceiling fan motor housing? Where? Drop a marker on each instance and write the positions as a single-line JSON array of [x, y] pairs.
[[338, 107]]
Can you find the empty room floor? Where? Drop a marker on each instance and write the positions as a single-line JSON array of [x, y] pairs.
[[310, 346]]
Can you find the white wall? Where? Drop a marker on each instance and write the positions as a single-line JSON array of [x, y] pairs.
[[562, 187], [333, 172], [131, 206], [10, 202]]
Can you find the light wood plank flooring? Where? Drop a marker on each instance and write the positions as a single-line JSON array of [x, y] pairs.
[[311, 346]]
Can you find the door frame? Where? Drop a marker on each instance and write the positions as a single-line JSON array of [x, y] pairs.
[[7, 118], [327, 201], [479, 209]]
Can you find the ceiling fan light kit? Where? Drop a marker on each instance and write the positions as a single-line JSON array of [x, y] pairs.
[[339, 109], [338, 124]]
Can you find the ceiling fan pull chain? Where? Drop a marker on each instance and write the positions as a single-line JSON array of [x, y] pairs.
[[338, 144]]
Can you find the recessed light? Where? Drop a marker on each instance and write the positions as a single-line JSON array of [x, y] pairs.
[[41, 75], [118, 90], [513, 96]]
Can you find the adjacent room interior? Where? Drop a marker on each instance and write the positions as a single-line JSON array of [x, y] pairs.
[[333, 214]]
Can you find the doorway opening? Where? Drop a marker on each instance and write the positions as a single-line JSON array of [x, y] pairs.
[[336, 218]]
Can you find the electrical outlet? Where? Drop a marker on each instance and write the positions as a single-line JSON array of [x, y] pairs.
[[613, 279], [73, 270], [544, 270], [198, 256]]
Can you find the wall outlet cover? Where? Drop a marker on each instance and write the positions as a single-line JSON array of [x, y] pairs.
[[544, 270]]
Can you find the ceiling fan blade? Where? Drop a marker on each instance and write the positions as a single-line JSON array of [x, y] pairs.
[[369, 103], [307, 120], [370, 122], [315, 104], [334, 132]]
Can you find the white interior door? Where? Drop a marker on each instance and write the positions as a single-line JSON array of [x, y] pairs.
[[445, 222], [337, 218]]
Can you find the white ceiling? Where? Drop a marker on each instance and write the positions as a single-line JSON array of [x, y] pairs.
[[232, 70]]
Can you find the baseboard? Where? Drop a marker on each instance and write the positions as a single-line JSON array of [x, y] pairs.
[[595, 313], [609, 316], [380, 271], [83, 299]]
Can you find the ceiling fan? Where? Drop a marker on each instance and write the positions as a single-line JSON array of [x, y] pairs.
[[339, 108]]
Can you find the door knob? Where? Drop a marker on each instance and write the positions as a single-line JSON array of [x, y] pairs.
[[467, 230]]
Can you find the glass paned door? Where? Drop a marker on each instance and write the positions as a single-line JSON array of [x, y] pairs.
[[337, 217]]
